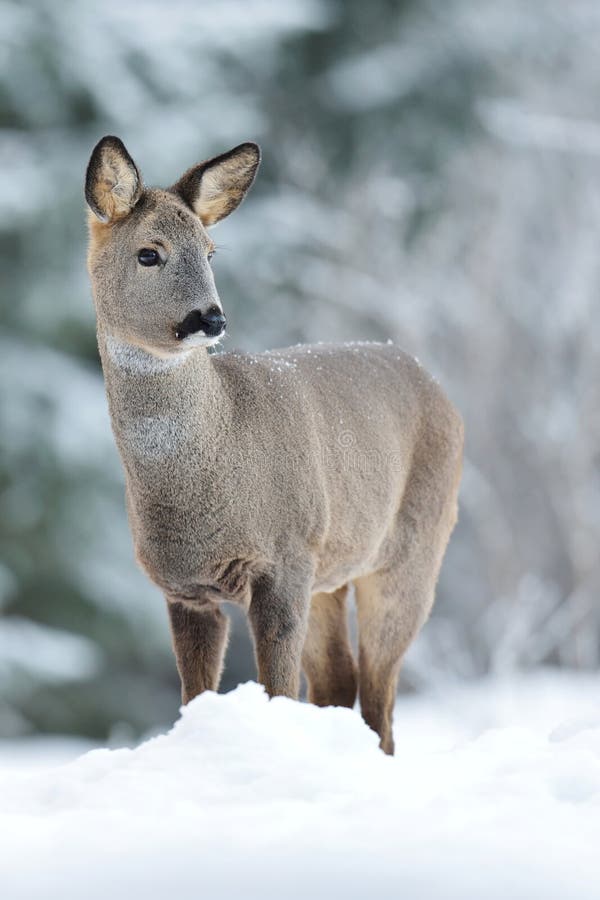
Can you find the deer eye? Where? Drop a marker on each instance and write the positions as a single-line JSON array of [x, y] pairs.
[[210, 254], [147, 257]]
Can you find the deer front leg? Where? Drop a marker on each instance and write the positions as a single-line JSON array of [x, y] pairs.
[[199, 640], [279, 620]]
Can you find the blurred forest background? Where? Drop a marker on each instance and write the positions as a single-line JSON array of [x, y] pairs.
[[431, 174]]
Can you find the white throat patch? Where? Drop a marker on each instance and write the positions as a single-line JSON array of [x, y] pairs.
[[154, 438], [136, 360]]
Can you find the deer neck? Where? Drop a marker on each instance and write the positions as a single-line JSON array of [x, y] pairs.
[[161, 407]]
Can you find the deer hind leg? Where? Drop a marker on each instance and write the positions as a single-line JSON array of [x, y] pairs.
[[393, 603], [199, 640], [386, 627], [327, 658]]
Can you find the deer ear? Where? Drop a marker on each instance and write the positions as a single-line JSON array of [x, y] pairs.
[[113, 184], [214, 188]]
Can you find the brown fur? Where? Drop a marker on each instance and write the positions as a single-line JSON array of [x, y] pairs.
[[273, 480]]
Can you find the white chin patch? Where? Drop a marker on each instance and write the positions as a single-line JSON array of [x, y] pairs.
[[199, 339]]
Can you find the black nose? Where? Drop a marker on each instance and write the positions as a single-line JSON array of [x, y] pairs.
[[212, 323]]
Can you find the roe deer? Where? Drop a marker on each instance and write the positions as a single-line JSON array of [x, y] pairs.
[[273, 480]]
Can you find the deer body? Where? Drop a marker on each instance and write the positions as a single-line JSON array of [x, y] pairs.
[[272, 480]]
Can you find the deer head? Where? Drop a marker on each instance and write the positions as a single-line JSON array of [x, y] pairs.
[[150, 251]]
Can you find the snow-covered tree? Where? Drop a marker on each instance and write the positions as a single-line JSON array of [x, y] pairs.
[[431, 175]]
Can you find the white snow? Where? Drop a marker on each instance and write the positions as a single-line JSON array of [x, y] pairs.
[[494, 792]]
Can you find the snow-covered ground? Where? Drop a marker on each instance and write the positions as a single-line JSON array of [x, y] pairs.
[[494, 792]]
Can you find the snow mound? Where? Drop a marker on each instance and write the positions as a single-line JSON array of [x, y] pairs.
[[247, 797]]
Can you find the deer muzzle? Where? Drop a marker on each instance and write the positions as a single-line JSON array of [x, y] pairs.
[[211, 323]]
